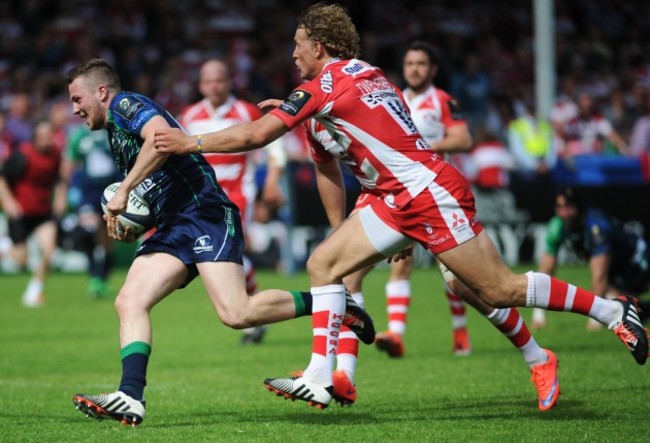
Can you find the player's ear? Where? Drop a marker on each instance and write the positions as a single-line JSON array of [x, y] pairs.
[[102, 91], [319, 49]]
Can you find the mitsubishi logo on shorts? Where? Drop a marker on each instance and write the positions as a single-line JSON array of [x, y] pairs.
[[203, 244], [457, 220]]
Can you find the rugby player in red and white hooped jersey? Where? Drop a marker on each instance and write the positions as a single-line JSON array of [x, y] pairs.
[[508, 321], [423, 199], [220, 109], [440, 122]]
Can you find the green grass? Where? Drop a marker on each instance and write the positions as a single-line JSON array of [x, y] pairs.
[[203, 386]]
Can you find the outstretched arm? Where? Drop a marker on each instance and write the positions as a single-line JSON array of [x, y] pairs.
[[238, 138]]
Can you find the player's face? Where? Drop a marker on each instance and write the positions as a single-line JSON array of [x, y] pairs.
[[214, 83], [86, 103], [43, 136], [567, 211], [418, 70], [305, 55]]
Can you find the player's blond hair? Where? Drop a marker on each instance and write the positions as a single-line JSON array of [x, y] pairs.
[[331, 25]]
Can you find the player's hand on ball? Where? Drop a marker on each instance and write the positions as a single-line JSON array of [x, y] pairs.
[[118, 203], [173, 141], [118, 232]]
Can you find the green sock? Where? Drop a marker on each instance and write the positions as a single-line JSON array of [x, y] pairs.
[[303, 303]]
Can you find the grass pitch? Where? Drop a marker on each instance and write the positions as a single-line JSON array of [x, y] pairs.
[[204, 386]]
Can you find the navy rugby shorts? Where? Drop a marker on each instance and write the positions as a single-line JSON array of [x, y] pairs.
[[197, 236]]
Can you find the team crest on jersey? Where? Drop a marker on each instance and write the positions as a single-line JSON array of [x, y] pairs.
[[294, 103], [128, 107]]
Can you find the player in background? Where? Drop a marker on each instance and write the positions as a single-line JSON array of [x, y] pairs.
[[88, 167], [235, 172], [33, 197], [422, 199], [198, 232], [440, 121], [618, 256]]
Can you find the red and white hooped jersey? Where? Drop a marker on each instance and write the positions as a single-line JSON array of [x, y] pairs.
[[321, 144], [235, 172], [370, 126]]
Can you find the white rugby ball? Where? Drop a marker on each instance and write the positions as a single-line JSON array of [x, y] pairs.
[[137, 217]]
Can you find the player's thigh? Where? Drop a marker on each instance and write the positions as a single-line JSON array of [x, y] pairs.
[[151, 278], [478, 264], [363, 239], [225, 283]]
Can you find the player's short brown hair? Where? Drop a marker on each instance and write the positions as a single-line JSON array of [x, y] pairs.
[[98, 71], [429, 50], [331, 25]]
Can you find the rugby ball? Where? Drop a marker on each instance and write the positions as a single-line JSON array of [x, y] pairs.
[[137, 217]]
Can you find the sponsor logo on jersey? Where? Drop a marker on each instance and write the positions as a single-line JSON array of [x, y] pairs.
[[229, 222], [458, 222], [128, 107], [145, 186], [327, 82], [355, 67], [438, 241], [294, 103], [203, 244]]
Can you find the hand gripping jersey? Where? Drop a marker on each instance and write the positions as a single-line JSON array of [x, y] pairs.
[[235, 171], [182, 183], [370, 126]]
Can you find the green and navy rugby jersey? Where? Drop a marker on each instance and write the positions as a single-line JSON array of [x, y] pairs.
[[183, 182]]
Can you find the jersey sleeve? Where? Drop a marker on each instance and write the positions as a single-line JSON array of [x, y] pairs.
[[452, 113], [554, 236], [318, 153], [133, 113], [302, 103]]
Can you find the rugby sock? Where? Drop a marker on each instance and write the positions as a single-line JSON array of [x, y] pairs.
[[135, 357], [303, 302], [457, 308], [512, 325], [347, 352], [398, 298], [33, 291], [327, 318], [555, 295]]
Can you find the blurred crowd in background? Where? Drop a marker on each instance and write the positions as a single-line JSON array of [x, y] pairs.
[[486, 61]]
